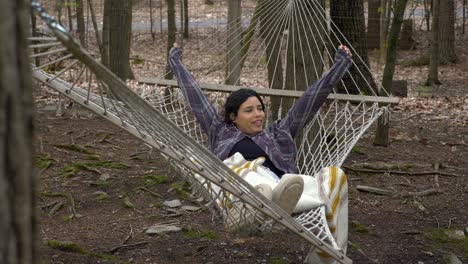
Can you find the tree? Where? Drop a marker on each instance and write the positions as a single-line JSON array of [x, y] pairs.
[[381, 134], [373, 29], [185, 19], [95, 26], [383, 29], [271, 36], [171, 33], [80, 21], [348, 16], [117, 35], [18, 217], [301, 63], [433, 76], [447, 32], [234, 43]]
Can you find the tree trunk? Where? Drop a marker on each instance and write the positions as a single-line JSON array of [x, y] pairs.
[[119, 33], [271, 36], [373, 29], [427, 14], [105, 33], [433, 76], [186, 20], [153, 35], [383, 29], [234, 43], [464, 17], [70, 16], [80, 22], [171, 33], [447, 32], [58, 10], [18, 216], [95, 26], [381, 134], [348, 16]]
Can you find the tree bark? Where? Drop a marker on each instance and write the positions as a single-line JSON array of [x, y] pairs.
[[119, 33], [373, 29], [348, 16], [234, 43], [18, 216], [80, 22], [271, 36], [105, 33], [447, 32], [464, 17], [95, 26], [383, 29], [186, 20], [381, 134], [171, 33], [433, 76], [70, 15]]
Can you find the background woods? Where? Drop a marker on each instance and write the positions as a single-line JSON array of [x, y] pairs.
[[99, 189]]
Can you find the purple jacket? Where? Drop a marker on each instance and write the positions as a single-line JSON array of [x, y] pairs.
[[277, 140]]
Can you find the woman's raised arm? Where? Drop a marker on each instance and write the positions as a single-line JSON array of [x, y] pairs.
[[316, 94], [204, 111]]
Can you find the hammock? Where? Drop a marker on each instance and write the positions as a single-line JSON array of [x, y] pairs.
[[163, 121]]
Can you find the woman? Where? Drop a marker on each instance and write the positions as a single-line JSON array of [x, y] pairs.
[[241, 132]]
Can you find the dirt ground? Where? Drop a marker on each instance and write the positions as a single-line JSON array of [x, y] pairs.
[[100, 188]]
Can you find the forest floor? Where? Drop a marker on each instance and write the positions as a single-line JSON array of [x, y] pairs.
[[100, 189]]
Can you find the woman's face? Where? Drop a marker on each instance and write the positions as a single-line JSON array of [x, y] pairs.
[[250, 116]]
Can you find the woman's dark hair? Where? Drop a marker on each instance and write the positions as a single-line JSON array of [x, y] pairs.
[[234, 101]]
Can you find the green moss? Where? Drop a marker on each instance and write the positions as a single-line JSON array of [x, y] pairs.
[[107, 164], [359, 228], [358, 150], [65, 246], [74, 168], [138, 61], [354, 246], [68, 218], [103, 136], [74, 147], [151, 179], [441, 240], [72, 247], [93, 157], [182, 188], [277, 260], [127, 203], [426, 89], [101, 184], [44, 162]]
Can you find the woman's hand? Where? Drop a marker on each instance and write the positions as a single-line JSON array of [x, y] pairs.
[[175, 52], [345, 49]]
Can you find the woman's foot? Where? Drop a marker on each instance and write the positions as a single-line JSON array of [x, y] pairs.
[[288, 191]]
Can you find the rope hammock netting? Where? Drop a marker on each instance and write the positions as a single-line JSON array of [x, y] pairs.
[[279, 47]]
